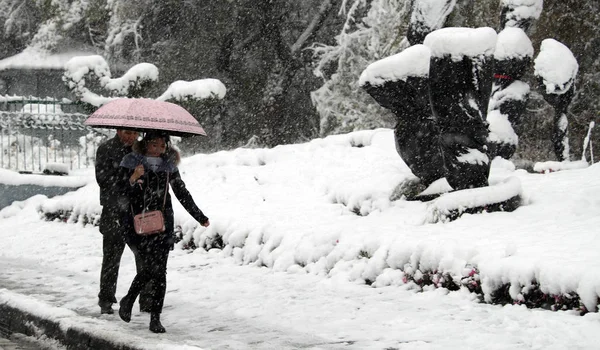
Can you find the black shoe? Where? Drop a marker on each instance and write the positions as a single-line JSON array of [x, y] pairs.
[[106, 308], [125, 309], [155, 325]]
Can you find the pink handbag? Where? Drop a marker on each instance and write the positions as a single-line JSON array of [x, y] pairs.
[[149, 223], [152, 222]]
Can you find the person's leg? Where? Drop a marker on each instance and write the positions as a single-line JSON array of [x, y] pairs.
[[146, 293], [112, 250], [142, 277], [159, 287]]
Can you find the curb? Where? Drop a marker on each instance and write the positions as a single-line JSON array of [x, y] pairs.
[[13, 320]]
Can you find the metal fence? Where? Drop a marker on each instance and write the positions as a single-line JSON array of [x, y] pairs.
[[45, 135]]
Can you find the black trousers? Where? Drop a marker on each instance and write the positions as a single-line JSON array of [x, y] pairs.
[[153, 253], [113, 245]]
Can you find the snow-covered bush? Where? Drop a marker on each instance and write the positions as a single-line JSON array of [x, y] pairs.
[[82, 70], [203, 99]]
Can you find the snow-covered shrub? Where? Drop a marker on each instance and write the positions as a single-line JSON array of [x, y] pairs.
[[203, 99], [84, 71]]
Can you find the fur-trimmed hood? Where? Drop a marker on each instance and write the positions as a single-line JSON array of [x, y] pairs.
[[171, 160]]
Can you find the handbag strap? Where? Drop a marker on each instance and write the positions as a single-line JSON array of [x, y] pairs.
[[166, 190]]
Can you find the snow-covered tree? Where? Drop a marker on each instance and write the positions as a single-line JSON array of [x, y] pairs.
[[20, 17], [124, 33], [365, 38], [427, 16]]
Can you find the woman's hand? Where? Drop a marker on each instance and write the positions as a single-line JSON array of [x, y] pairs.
[[206, 224], [137, 173]]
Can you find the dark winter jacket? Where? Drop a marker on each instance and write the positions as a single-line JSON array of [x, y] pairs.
[[149, 195], [108, 158]]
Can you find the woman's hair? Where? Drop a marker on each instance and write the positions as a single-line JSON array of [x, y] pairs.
[[141, 146]]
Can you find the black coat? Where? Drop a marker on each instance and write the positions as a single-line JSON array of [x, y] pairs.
[[108, 158], [108, 176], [150, 194]]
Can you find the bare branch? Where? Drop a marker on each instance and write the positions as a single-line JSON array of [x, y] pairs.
[[313, 26]]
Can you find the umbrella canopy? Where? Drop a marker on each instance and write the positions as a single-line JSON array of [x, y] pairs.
[[144, 114]]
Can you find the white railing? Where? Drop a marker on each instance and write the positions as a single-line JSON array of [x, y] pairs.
[[38, 136]]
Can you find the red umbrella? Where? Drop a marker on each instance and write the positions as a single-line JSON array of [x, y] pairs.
[[144, 114]]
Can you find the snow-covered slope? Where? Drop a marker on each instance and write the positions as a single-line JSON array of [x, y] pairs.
[[323, 208]]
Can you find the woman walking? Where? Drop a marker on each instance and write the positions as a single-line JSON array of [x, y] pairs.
[[149, 170]]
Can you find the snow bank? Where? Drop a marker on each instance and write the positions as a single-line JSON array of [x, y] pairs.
[[551, 166], [8, 177], [443, 207], [324, 208]]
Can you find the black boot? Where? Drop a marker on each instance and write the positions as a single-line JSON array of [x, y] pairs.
[[155, 325], [125, 309], [105, 308]]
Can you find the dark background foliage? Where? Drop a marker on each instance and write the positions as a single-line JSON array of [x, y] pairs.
[[260, 50]]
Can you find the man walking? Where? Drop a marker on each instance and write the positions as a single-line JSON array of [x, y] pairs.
[[108, 158]]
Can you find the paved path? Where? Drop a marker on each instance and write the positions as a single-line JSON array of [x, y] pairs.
[[14, 343], [6, 344]]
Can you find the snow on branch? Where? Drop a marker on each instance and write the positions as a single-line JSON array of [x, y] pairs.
[[429, 15], [521, 10], [194, 90]]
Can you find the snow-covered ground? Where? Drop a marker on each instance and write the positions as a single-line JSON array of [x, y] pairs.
[[316, 256]]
